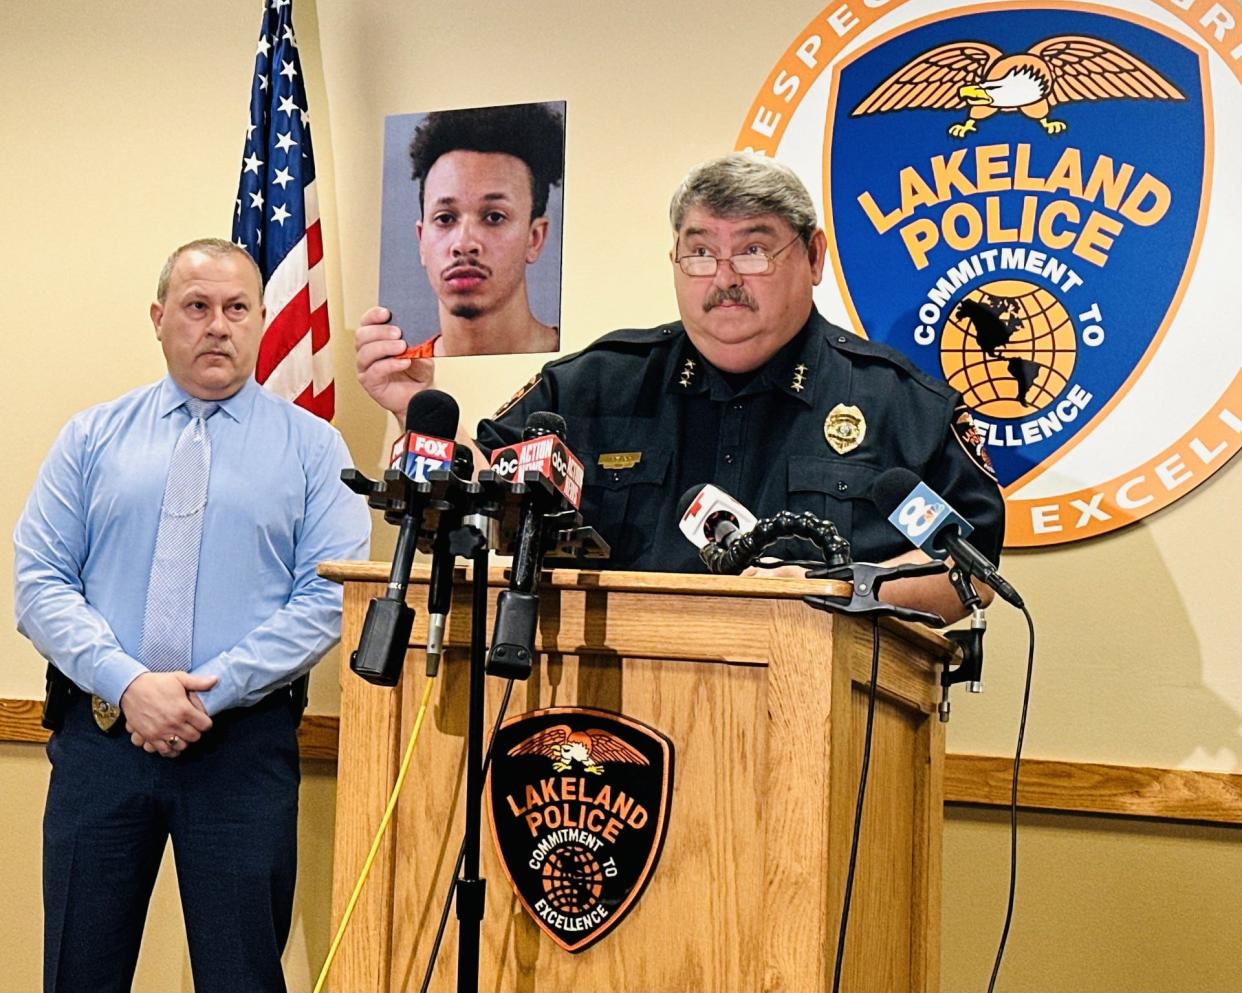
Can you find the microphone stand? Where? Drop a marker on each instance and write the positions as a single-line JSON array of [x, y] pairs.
[[969, 641], [493, 498], [470, 542], [386, 629]]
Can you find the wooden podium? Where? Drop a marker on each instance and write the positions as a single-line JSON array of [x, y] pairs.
[[765, 701]]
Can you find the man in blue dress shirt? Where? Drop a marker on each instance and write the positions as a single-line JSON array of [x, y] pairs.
[[166, 565]]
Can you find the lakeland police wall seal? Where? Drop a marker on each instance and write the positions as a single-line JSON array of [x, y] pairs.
[[579, 802], [1016, 196]]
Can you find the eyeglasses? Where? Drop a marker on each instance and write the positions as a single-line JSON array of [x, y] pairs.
[[750, 264]]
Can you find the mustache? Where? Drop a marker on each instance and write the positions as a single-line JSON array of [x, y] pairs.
[[465, 269], [734, 294], [222, 348]]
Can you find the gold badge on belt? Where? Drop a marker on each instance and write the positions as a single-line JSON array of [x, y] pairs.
[[106, 715], [845, 428]]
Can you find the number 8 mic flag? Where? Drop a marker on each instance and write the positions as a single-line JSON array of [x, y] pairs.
[[276, 219]]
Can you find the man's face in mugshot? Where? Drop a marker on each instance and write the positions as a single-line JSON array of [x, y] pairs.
[[477, 237]]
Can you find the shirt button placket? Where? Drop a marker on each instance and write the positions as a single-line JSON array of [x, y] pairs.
[[729, 458]]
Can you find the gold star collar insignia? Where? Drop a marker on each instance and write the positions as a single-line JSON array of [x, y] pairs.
[[687, 374], [799, 378]]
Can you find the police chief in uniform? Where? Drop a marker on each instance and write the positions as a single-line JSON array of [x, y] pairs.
[[751, 390]]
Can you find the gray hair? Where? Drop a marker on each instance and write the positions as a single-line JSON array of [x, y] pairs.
[[215, 247], [745, 185]]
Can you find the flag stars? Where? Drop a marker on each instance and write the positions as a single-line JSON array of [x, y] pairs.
[[283, 178], [286, 69], [288, 36], [252, 163], [263, 83], [280, 215], [285, 141], [287, 106], [256, 200], [250, 130], [265, 46]]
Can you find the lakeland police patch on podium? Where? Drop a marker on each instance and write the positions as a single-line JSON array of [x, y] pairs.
[[579, 805]]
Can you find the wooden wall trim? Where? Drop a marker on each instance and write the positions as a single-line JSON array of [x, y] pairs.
[[1096, 788], [19, 721], [973, 780]]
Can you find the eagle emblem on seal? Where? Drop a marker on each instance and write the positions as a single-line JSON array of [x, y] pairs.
[[979, 76], [590, 749]]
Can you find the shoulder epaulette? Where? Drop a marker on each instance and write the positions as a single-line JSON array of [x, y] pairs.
[[632, 340], [847, 341], [636, 336]]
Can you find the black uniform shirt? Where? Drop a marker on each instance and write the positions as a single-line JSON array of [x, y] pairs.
[[650, 394]]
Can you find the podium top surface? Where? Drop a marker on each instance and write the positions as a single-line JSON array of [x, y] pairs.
[[682, 584]]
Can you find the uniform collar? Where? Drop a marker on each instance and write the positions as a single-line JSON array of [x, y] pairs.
[[794, 370], [172, 396]]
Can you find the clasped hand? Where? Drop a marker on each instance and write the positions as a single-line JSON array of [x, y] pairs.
[[163, 711]]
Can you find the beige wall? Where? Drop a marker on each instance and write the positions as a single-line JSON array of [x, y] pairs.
[[122, 127]]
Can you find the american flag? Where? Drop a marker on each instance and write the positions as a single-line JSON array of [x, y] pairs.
[[276, 219]]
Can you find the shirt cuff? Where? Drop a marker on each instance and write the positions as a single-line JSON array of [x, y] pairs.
[[223, 695], [115, 675]]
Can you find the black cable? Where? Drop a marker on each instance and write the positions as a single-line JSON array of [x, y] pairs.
[[461, 851], [1013, 803], [858, 806]]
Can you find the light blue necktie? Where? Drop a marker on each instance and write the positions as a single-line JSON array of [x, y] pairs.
[[168, 622]]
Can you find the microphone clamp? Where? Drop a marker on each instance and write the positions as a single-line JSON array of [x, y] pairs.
[[866, 578]]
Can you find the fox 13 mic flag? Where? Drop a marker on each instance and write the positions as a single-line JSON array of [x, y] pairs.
[[276, 219]]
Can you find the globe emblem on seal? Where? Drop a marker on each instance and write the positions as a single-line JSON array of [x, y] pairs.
[[1009, 348], [572, 879]]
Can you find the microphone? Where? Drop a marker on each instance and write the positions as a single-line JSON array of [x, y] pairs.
[[709, 515], [425, 445], [930, 524], [729, 538], [440, 586], [430, 423], [542, 450], [557, 487]]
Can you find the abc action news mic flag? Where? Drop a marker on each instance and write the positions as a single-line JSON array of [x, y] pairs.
[[546, 455], [276, 220]]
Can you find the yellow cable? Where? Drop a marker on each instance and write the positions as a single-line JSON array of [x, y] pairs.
[[379, 836]]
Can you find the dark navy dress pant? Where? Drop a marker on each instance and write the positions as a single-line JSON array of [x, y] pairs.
[[229, 804]]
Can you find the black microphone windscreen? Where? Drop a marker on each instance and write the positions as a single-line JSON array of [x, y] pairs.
[[892, 487], [687, 498], [434, 413], [544, 422], [463, 463]]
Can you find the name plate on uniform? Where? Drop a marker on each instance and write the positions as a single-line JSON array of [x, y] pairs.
[[620, 460]]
